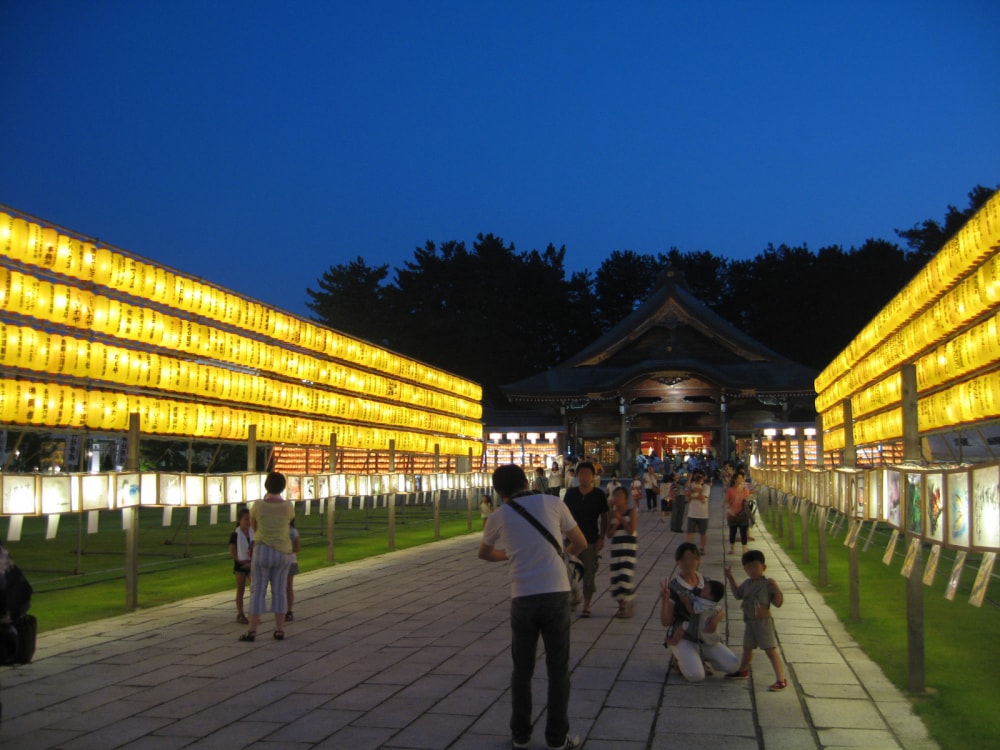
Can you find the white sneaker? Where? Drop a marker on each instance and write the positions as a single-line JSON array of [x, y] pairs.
[[570, 743]]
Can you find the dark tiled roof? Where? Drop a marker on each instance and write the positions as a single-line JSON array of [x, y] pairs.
[[670, 333]]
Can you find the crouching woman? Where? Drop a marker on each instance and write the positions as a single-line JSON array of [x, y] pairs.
[[678, 600]]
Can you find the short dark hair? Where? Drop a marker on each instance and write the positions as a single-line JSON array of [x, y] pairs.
[[686, 547], [586, 465], [753, 555], [275, 483], [718, 589], [509, 479]]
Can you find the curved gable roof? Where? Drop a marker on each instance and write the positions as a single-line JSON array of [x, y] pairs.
[[671, 332]]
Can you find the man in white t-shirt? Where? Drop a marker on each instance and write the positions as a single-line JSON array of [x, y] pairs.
[[540, 598]]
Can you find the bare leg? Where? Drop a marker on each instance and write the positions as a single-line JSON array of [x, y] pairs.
[[775, 657]]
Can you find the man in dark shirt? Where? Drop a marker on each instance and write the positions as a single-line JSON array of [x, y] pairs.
[[589, 506]]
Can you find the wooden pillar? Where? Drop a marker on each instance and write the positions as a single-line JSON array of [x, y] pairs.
[[130, 519], [623, 439], [804, 517], [724, 428], [132, 446], [252, 448], [790, 510], [391, 499], [853, 560], [436, 494], [854, 583], [911, 434], [331, 514], [850, 451], [820, 457], [914, 584]]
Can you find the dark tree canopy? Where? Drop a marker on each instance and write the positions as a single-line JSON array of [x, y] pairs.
[[496, 315]]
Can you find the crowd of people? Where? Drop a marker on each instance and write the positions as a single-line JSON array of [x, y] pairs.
[[552, 526], [554, 567]]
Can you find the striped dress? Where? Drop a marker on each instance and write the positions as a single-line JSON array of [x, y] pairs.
[[623, 549]]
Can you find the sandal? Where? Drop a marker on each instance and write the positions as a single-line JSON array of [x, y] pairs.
[[249, 636], [778, 685], [242, 620], [585, 613], [279, 635]]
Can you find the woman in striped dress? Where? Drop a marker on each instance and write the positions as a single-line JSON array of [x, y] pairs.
[[622, 531]]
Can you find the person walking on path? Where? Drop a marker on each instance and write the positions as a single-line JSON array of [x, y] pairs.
[[270, 518], [555, 480], [758, 594], [524, 531], [697, 509], [737, 515], [540, 484], [677, 606], [651, 486], [622, 531], [589, 506]]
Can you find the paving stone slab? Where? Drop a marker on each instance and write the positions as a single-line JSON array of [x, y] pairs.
[[366, 664]]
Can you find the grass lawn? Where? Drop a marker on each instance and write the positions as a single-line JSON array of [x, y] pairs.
[[178, 561], [960, 654]]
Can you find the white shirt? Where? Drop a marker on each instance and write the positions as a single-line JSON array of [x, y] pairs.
[[535, 567]]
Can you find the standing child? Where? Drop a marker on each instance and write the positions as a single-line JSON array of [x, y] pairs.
[[697, 509], [293, 535], [240, 549], [758, 594]]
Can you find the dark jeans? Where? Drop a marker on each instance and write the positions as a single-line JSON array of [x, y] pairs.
[[743, 529], [548, 615], [650, 499]]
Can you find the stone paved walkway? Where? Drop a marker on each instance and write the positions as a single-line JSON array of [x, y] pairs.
[[410, 650]]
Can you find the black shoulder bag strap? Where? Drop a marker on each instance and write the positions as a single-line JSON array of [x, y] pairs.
[[537, 524]]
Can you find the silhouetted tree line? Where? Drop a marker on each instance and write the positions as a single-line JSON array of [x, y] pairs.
[[496, 315]]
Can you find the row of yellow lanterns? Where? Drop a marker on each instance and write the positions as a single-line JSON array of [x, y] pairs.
[[55, 354], [44, 247], [885, 393], [83, 310], [38, 403], [971, 244], [977, 294], [970, 401], [886, 425], [961, 355]]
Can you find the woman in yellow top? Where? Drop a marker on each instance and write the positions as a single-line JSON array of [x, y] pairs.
[[272, 555]]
